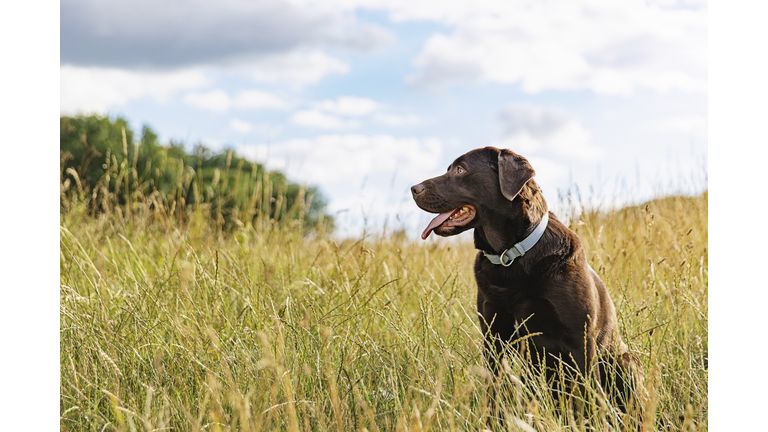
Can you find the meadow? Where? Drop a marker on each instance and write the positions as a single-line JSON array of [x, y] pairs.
[[170, 322]]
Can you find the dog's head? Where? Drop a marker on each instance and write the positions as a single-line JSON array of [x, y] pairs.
[[477, 186]]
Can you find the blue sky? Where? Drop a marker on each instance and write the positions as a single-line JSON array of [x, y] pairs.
[[364, 98]]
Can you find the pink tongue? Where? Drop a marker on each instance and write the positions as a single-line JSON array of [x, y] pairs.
[[442, 217]]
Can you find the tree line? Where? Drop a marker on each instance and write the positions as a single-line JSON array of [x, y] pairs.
[[106, 167]]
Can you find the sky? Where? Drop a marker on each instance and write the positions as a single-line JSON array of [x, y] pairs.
[[365, 98]]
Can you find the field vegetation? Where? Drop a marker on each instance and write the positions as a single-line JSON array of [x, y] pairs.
[[171, 320]]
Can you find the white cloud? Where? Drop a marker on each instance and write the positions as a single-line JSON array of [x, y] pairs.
[[241, 126], [95, 90], [348, 158], [296, 69], [259, 99], [397, 120], [317, 119], [571, 141], [219, 100], [607, 47], [531, 129], [348, 106], [683, 125], [215, 100], [675, 4], [353, 106]]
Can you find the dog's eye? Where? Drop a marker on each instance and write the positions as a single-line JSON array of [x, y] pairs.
[[459, 170]]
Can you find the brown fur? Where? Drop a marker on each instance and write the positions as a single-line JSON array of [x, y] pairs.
[[551, 288]]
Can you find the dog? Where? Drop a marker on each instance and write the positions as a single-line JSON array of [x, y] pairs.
[[532, 274]]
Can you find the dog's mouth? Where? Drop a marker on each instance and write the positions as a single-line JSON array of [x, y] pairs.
[[458, 217]]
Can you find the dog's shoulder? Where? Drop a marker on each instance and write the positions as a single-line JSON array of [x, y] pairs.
[[558, 253]]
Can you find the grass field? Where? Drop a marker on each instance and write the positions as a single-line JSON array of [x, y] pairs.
[[179, 326]]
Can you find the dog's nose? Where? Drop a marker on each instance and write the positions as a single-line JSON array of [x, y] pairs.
[[419, 188]]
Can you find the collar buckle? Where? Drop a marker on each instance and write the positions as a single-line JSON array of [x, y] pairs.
[[515, 251], [519, 249]]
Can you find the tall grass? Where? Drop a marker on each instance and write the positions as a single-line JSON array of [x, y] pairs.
[[170, 323]]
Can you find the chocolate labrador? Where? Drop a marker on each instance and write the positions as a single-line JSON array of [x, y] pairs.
[[532, 274]]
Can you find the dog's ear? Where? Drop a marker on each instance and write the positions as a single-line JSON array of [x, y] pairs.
[[514, 173]]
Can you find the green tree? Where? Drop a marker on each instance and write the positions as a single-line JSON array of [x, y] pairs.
[[111, 167]]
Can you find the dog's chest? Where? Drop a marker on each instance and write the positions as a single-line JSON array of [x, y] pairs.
[[520, 301], [504, 285]]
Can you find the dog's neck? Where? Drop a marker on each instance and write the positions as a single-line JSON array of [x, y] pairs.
[[519, 219]]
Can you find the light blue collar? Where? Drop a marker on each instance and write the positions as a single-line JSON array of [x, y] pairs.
[[519, 249]]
